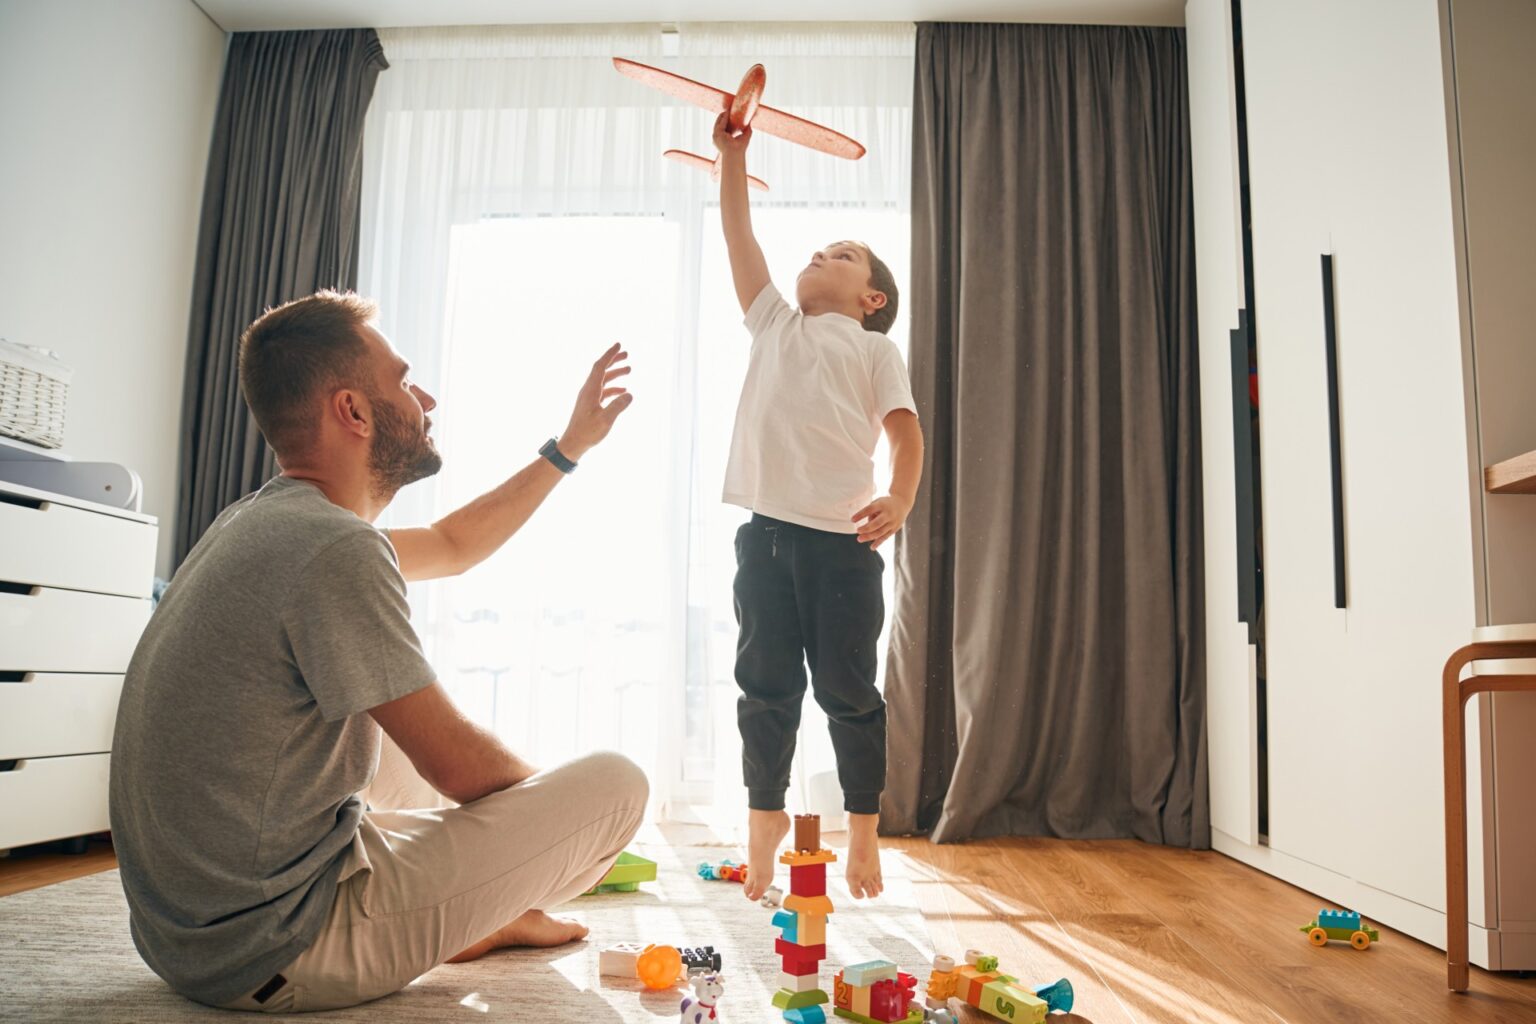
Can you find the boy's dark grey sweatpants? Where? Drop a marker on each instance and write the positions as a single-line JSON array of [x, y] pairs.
[[807, 596]]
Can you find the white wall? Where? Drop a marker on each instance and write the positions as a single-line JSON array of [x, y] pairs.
[[106, 111]]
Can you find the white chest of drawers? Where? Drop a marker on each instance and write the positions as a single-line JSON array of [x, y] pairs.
[[75, 584]]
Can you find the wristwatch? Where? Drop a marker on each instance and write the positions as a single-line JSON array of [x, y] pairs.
[[551, 451]]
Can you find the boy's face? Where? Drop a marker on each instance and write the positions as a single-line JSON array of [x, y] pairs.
[[838, 275]]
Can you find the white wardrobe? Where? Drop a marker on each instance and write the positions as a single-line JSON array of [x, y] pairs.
[[1366, 145]]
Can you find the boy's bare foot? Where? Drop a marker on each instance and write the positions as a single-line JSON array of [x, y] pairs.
[[863, 871], [765, 832], [535, 928]]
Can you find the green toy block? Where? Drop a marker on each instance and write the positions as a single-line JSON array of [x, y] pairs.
[[914, 1016], [986, 964], [784, 999], [626, 874], [1011, 1003]]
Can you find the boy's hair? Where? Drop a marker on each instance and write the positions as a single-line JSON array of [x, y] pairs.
[[882, 280], [291, 352]]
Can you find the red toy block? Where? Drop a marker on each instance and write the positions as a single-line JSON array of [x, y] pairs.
[[885, 1002], [788, 949], [809, 880]]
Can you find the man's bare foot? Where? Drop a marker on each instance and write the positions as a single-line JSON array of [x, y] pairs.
[[765, 831], [535, 928], [863, 871]]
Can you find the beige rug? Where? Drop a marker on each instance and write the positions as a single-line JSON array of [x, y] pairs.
[[65, 956]]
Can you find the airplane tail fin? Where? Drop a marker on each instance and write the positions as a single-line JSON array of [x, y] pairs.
[[703, 163]]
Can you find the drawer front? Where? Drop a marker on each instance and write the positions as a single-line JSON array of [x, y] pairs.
[[59, 546], [53, 798], [49, 630], [48, 715]]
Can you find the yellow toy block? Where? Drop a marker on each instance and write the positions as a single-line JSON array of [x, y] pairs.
[[804, 905], [1006, 1002], [941, 984], [801, 860], [859, 1000], [812, 930]]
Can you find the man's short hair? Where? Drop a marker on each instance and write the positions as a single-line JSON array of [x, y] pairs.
[[882, 280], [293, 352]]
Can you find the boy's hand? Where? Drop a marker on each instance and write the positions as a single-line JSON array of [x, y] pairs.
[[591, 419], [883, 517], [728, 144]]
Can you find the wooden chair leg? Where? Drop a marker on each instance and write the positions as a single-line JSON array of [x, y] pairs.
[[1455, 830]]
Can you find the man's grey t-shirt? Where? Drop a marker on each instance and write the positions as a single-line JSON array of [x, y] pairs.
[[242, 738]]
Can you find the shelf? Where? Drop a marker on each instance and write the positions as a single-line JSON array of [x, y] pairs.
[[1512, 476], [12, 450]]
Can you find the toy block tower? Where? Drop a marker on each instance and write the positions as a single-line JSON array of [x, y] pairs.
[[802, 922]]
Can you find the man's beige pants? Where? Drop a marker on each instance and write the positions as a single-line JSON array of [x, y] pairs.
[[423, 884]]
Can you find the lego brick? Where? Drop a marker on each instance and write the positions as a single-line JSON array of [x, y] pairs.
[[842, 992], [942, 984], [1339, 919], [812, 930], [618, 961], [807, 832], [885, 1002], [789, 922], [786, 1000], [799, 966], [805, 1015], [858, 1000], [971, 989], [986, 964], [795, 859], [808, 904], [817, 952], [808, 880], [1010, 1003], [799, 982], [870, 972], [912, 1016], [700, 959]]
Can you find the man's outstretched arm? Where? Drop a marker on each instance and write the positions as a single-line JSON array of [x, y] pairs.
[[469, 535]]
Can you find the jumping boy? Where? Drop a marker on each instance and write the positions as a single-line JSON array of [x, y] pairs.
[[822, 382]]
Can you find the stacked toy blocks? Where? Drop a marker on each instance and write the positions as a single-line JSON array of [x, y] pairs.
[[802, 923], [875, 993]]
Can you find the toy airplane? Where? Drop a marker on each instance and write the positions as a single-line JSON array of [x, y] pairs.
[[744, 108]]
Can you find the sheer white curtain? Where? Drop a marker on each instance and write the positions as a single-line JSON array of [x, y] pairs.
[[518, 218]]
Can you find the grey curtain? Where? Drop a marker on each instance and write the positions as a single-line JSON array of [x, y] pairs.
[[279, 221], [1046, 672]]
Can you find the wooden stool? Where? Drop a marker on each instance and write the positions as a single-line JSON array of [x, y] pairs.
[[1455, 692]]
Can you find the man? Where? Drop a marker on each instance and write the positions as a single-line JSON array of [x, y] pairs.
[[251, 712]]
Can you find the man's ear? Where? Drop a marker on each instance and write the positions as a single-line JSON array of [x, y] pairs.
[[872, 301], [351, 411]]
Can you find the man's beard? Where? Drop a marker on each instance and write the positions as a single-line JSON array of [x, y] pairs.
[[400, 454]]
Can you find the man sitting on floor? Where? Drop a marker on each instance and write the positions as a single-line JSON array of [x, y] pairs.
[[251, 713]]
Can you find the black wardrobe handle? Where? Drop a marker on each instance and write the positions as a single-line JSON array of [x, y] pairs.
[[1331, 350]]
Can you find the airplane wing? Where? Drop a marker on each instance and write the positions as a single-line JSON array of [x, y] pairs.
[[716, 101], [805, 133], [708, 165]]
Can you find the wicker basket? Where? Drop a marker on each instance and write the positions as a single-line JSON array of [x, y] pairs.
[[34, 389]]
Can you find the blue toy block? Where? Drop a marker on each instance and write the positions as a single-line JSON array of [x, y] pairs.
[[790, 922], [1346, 919], [806, 1015], [866, 974]]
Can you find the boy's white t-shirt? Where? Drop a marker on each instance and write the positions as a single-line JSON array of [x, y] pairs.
[[817, 392]]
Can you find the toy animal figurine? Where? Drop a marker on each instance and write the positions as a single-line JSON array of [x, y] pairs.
[[699, 1008], [772, 897]]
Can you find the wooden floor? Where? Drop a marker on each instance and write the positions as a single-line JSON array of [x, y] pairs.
[[1145, 933]]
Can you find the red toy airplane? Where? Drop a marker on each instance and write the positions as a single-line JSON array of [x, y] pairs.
[[744, 108]]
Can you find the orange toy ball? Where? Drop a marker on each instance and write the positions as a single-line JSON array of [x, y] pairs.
[[659, 966]]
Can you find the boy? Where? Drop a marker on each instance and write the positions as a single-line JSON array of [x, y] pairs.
[[822, 382]]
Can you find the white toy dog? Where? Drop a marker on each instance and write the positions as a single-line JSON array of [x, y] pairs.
[[701, 1010]]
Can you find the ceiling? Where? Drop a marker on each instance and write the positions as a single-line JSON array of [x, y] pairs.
[[270, 15]]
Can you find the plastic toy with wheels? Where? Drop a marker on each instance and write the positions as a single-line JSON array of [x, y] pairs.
[[1343, 925]]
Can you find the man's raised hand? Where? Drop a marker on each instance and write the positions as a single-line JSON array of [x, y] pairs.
[[592, 418]]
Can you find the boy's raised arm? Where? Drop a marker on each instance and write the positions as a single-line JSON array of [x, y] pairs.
[[749, 270]]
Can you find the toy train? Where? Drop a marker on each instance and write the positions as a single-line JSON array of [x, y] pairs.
[[1344, 925]]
